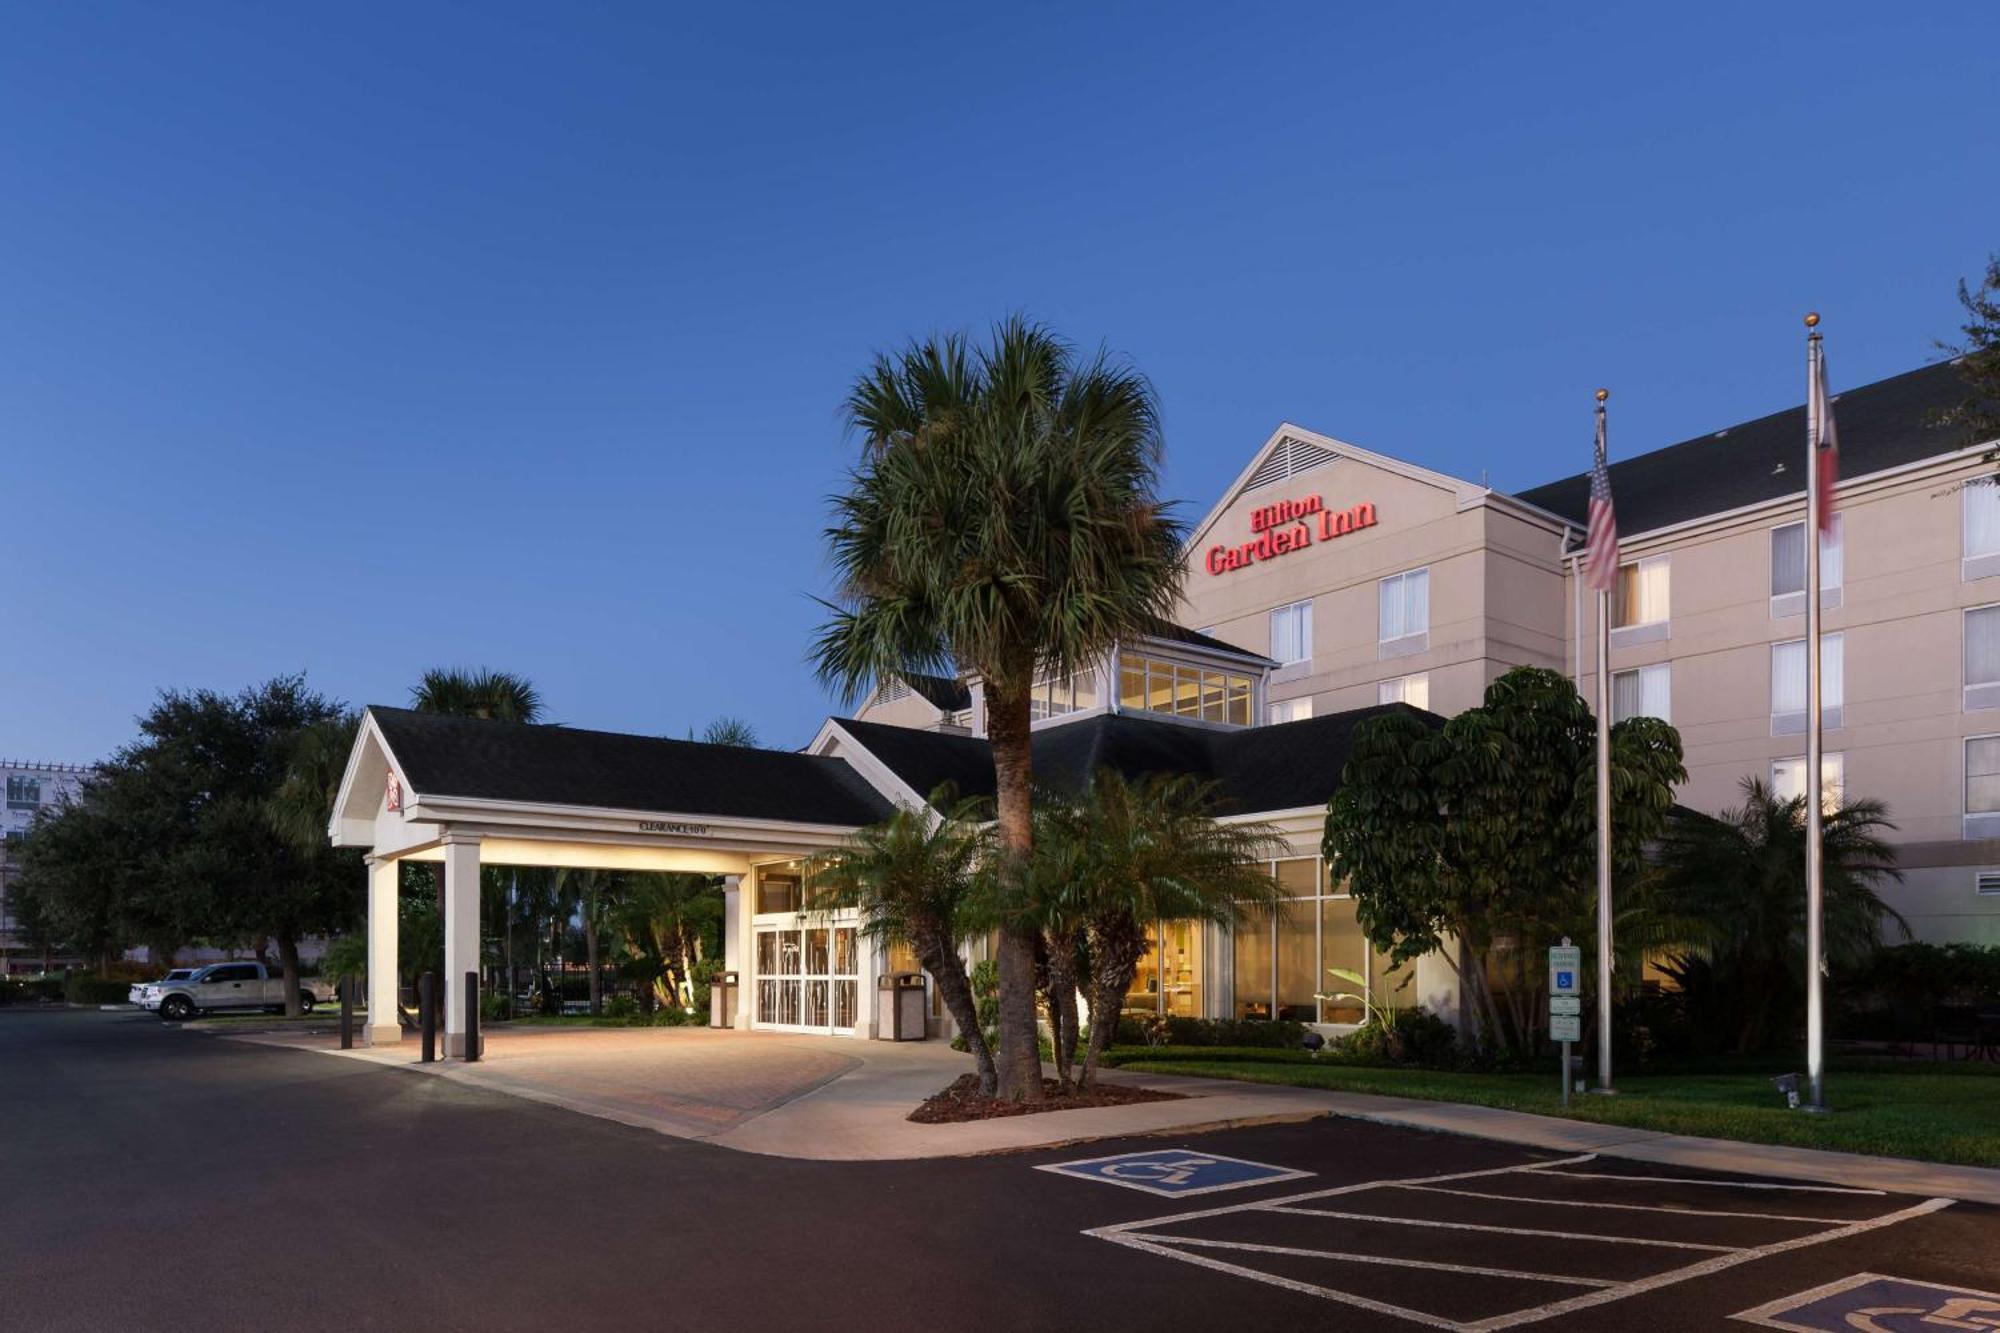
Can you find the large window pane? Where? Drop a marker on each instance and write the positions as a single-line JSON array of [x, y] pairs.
[[1982, 520], [1412, 690], [1642, 592], [1982, 646], [1341, 945], [1131, 682], [1298, 961], [1250, 944], [1144, 992], [1299, 877], [1291, 632], [1240, 694], [1180, 967], [1788, 558], [1641, 693], [1788, 779], [1982, 775], [1404, 605], [1788, 677]]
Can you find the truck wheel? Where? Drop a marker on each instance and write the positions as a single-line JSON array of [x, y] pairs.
[[306, 1001], [177, 1009]]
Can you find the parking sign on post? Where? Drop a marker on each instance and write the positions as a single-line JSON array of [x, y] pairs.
[[1565, 1003]]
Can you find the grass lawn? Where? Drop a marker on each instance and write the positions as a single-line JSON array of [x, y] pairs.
[[1932, 1111]]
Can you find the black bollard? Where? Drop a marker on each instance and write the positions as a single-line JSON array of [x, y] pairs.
[[347, 1013], [471, 1017], [427, 1021]]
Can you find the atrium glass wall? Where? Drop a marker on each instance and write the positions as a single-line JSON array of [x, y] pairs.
[[1169, 978], [1181, 689], [1281, 958]]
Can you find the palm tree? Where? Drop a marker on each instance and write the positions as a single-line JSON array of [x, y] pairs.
[[731, 731], [497, 696], [1735, 886], [1004, 519], [915, 879], [1142, 852]]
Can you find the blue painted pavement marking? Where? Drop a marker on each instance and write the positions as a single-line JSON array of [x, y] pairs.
[[1174, 1172], [1873, 1303]]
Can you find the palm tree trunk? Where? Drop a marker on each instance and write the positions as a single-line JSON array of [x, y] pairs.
[[1062, 1003], [1018, 1060], [1116, 946], [937, 954], [590, 949]]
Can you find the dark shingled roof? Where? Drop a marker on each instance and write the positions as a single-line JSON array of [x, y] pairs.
[[1257, 769], [1882, 425], [943, 693], [445, 756], [1173, 633]]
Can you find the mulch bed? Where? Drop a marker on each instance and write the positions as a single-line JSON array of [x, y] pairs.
[[963, 1101]]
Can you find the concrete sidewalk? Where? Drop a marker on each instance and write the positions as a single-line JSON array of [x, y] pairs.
[[836, 1099]]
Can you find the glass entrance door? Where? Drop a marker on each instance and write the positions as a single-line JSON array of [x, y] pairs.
[[808, 976]]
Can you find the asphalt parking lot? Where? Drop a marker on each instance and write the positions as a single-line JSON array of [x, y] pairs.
[[163, 1179]]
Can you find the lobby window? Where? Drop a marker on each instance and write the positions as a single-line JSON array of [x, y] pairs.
[[1291, 710], [1788, 684], [1292, 633], [1640, 603], [1403, 619], [1412, 690], [1057, 695], [1982, 787], [1982, 658], [1788, 568], [1644, 692], [1982, 529], [1788, 779], [1181, 689], [778, 890], [1281, 958]]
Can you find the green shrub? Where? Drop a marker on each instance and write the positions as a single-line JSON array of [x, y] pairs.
[[621, 1007], [1414, 1036], [1277, 1035], [81, 989], [702, 975], [493, 1006]]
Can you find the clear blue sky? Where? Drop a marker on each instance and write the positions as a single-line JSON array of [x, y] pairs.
[[358, 339]]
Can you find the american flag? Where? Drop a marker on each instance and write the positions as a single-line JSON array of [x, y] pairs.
[[1826, 443], [1600, 544]]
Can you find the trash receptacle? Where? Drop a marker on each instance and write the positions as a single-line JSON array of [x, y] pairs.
[[722, 1000], [902, 1004]]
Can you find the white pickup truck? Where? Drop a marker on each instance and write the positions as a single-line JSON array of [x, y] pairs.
[[220, 987]]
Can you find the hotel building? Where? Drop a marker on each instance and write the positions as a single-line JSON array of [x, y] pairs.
[[1329, 582]]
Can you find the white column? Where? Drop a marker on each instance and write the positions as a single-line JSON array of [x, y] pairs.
[[461, 932], [384, 907], [734, 959], [746, 951]]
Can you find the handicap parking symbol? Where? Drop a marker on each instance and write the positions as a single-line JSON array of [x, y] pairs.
[[1873, 1303], [1174, 1172]]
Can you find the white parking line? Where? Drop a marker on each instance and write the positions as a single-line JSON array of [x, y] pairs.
[[1143, 1234], [1623, 1207], [1684, 1180], [1507, 1231]]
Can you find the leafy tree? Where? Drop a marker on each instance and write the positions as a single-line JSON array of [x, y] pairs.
[[1136, 853], [914, 877], [1485, 832], [1979, 414], [1004, 518], [1737, 880], [668, 922], [731, 731], [497, 696]]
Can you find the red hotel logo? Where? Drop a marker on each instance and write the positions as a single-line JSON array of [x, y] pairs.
[[1287, 526]]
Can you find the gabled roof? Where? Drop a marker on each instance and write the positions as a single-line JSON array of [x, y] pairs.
[[1258, 769], [1169, 632], [443, 757], [1882, 425], [942, 692]]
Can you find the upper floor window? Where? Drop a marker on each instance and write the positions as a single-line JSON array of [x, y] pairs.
[[1412, 690], [23, 792], [1982, 787], [1057, 695], [1179, 689], [1788, 684], [1292, 633], [1644, 692], [1404, 616], [1291, 710], [1788, 780], [1641, 598], [1982, 528], [1788, 567], [1982, 658]]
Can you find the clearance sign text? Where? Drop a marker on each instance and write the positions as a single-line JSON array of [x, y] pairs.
[[1287, 526]]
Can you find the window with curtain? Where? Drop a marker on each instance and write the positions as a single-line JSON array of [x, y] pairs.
[[1291, 710], [1982, 658], [1788, 779], [1291, 632], [1412, 690], [1788, 559], [1642, 593], [1405, 610], [1644, 692], [1788, 683], [1982, 775], [1982, 525]]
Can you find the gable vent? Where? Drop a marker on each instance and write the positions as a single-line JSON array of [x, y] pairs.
[[1290, 457], [1988, 883]]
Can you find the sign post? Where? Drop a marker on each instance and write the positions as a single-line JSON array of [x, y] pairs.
[[1566, 1004]]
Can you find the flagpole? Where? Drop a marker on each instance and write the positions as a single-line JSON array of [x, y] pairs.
[[1815, 831], [1604, 1084]]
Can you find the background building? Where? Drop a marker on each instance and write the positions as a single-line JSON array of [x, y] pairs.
[[30, 787]]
